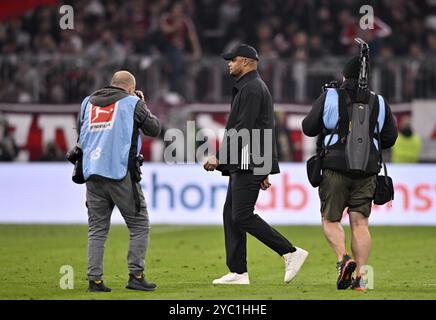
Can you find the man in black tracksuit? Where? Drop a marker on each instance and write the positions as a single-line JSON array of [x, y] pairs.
[[340, 188], [251, 112]]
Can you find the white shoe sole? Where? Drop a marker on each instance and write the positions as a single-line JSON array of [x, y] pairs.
[[241, 281], [232, 282]]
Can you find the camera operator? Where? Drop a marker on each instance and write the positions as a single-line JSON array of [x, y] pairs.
[[341, 188], [110, 142]]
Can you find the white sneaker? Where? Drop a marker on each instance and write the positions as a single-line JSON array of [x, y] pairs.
[[233, 278], [293, 263]]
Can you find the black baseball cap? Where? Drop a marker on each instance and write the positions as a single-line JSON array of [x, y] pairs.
[[243, 50]]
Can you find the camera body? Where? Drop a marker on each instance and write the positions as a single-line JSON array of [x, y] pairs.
[[136, 168], [140, 95], [75, 156]]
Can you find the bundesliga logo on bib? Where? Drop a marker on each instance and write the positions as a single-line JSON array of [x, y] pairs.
[[102, 118]]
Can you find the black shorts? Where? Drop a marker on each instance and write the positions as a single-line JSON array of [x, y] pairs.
[[338, 191]]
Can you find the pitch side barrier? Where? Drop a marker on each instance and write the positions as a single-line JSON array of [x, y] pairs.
[[185, 194]]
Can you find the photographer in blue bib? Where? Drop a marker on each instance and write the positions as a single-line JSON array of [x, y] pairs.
[[108, 159], [353, 125]]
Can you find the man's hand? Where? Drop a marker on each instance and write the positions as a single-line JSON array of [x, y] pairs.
[[140, 95], [265, 184], [211, 163]]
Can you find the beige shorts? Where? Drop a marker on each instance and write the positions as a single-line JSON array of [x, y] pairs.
[[338, 191]]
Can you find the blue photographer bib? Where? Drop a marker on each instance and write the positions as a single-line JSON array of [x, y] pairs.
[[106, 137]]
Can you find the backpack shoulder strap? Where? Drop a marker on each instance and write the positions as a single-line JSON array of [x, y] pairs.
[[344, 115], [374, 108], [324, 147], [385, 169]]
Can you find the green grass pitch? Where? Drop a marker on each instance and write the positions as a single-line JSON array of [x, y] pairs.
[[183, 261]]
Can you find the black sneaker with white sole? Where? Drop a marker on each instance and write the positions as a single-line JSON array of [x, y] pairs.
[[139, 283], [346, 268]]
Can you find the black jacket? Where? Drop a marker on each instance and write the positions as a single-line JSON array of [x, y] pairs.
[[313, 125], [251, 108]]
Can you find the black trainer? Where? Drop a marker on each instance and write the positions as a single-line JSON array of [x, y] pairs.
[[98, 287], [140, 283], [346, 268]]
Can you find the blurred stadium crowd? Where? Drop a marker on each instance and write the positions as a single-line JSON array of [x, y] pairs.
[[173, 48], [42, 63]]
